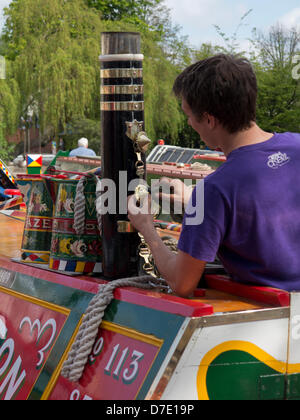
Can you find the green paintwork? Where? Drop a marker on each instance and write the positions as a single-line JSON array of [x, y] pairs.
[[66, 198], [272, 387], [40, 205], [237, 375], [53, 163], [65, 244], [293, 386], [34, 171]]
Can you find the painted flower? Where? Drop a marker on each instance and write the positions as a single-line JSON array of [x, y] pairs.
[[95, 248], [43, 207], [69, 205], [79, 248], [64, 246]]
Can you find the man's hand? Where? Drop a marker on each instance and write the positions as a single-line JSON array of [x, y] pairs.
[[140, 216], [182, 272]]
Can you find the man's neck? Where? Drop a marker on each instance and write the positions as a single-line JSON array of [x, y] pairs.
[[253, 135]]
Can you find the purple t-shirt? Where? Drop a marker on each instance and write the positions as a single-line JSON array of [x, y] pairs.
[[252, 215]]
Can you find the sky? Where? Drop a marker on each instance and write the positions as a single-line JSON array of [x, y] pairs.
[[3, 3], [198, 17]]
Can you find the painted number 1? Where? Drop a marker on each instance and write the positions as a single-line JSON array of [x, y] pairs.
[[129, 374]]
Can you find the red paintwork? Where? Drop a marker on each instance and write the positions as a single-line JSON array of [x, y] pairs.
[[35, 330], [12, 192], [268, 295], [12, 202], [150, 299], [105, 377]]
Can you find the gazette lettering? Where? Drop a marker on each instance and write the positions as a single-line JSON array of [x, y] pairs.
[[39, 223]]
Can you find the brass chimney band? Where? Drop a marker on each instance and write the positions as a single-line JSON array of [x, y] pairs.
[[122, 90], [122, 106], [121, 73]]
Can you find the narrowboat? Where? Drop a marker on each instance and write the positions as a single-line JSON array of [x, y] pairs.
[[84, 316]]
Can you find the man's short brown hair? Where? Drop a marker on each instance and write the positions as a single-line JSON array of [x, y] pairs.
[[224, 86]]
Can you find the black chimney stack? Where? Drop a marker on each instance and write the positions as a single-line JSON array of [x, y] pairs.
[[122, 112]]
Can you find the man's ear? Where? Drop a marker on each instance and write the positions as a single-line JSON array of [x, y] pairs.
[[211, 121]]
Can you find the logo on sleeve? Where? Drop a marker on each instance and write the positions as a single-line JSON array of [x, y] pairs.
[[278, 159]]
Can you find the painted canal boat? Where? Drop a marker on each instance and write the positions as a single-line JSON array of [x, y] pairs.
[[226, 342], [9, 193], [120, 334]]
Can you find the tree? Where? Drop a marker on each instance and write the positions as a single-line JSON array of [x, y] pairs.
[[9, 111], [272, 55], [279, 93], [175, 46], [166, 53], [131, 11], [231, 43], [54, 46], [163, 116], [277, 48], [6, 150]]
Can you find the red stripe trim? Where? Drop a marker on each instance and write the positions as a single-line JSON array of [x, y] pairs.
[[89, 267], [267, 295], [150, 299], [55, 265]]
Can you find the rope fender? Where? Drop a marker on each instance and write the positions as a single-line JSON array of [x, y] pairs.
[[74, 366], [79, 205], [82, 347]]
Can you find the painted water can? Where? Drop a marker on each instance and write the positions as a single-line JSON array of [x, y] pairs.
[[39, 218], [72, 251]]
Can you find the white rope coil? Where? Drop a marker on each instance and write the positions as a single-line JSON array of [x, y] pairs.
[[80, 203], [74, 366], [82, 347]]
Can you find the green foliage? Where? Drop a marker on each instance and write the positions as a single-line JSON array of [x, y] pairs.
[[272, 55], [54, 47], [9, 111], [279, 94], [166, 54], [162, 111], [120, 9], [9, 99], [278, 100], [163, 116], [6, 150]]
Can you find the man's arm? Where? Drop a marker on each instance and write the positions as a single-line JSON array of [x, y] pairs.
[[182, 272]]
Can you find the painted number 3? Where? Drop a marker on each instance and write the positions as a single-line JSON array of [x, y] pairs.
[[115, 364]]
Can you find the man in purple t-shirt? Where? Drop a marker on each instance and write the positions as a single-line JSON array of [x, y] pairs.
[[251, 203]]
